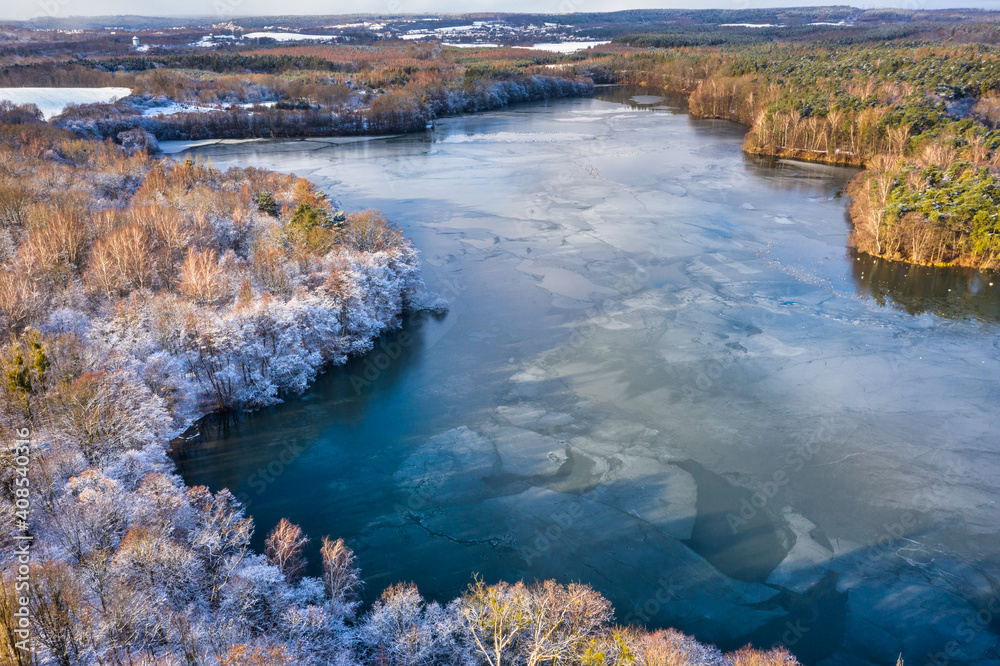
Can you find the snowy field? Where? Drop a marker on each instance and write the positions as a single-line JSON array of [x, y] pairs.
[[288, 36], [179, 107], [566, 47], [470, 46], [561, 47], [53, 100]]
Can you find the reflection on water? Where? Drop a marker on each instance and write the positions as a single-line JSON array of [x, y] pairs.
[[950, 292], [801, 177], [645, 99]]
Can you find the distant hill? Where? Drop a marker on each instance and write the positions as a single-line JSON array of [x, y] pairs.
[[632, 17]]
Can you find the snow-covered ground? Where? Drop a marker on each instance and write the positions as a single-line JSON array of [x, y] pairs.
[[774, 25], [469, 46], [460, 28], [561, 47], [175, 107], [178, 107], [53, 100], [567, 47], [363, 24], [451, 29], [484, 31], [210, 40], [288, 36]]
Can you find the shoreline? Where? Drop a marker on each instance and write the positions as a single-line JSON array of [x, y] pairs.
[[373, 120], [173, 147]]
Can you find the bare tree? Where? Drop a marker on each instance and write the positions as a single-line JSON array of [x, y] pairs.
[[107, 413], [20, 298], [370, 231], [978, 152], [561, 621], [494, 616], [899, 138], [340, 573], [122, 262], [268, 264], [58, 612], [168, 227], [243, 654], [939, 153], [14, 201], [283, 549], [393, 632], [747, 656], [91, 519], [221, 536], [665, 647], [201, 276], [54, 248]]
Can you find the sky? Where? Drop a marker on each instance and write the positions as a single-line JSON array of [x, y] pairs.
[[19, 10]]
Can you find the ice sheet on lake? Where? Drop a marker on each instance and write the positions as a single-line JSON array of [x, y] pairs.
[[531, 416], [807, 561], [516, 137], [663, 496]]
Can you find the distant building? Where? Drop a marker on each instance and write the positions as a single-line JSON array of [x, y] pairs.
[[135, 41]]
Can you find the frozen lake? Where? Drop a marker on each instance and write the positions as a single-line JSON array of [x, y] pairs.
[[663, 374]]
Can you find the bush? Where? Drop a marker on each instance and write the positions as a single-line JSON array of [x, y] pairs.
[[137, 139], [370, 231], [15, 114], [266, 203], [313, 228]]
